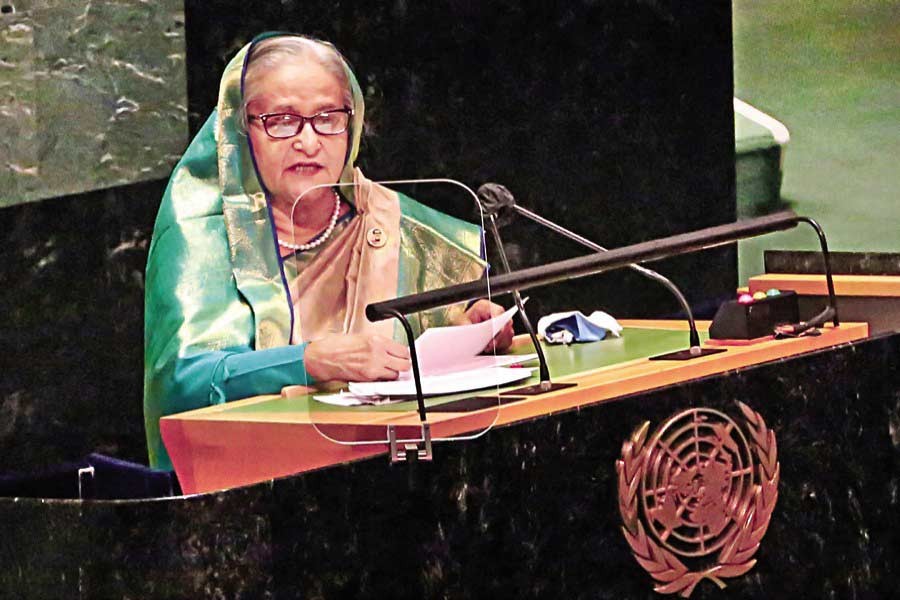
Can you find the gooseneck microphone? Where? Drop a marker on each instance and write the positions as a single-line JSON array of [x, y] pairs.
[[496, 198], [545, 384]]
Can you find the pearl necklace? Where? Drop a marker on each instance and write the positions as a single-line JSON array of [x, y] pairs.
[[322, 236]]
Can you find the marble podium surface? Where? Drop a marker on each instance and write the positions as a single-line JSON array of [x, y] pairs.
[[528, 510]]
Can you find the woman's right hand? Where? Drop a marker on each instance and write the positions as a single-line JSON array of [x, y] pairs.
[[348, 357]]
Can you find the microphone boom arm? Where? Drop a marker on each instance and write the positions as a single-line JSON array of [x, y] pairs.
[[649, 273], [586, 265]]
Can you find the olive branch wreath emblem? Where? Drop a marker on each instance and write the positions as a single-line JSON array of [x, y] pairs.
[[751, 517]]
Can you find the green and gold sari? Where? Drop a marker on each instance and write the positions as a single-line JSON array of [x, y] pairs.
[[223, 309]]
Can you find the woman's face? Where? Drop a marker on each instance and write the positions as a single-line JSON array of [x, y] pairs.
[[291, 166]]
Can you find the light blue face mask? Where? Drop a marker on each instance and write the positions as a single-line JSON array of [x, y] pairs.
[[574, 326]]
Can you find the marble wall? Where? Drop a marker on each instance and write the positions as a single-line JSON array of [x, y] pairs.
[[92, 95], [614, 118], [71, 326]]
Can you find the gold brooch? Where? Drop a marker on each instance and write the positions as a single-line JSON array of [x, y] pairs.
[[376, 237]]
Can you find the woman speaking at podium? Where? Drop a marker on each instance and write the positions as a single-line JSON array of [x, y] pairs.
[[235, 306]]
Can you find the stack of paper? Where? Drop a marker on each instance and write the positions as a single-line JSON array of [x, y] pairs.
[[449, 362]]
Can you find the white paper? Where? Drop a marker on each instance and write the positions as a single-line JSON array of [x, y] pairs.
[[435, 385], [343, 398], [449, 362], [482, 361], [447, 349], [339, 399]]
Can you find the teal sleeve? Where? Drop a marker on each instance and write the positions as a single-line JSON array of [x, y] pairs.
[[208, 378], [222, 376], [245, 374]]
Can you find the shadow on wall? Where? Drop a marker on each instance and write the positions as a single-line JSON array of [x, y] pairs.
[[71, 325]]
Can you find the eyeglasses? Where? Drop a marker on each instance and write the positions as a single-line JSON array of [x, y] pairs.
[[286, 125]]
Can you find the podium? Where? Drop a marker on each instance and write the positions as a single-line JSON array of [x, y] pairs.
[[265, 437], [530, 509]]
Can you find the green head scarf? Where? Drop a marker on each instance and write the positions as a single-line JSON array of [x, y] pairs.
[[214, 278]]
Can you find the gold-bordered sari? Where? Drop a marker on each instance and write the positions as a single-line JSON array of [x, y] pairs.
[[223, 310]]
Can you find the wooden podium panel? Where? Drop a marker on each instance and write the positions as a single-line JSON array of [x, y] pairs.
[[814, 285], [266, 437], [872, 299]]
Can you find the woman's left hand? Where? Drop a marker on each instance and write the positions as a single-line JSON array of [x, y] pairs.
[[482, 310]]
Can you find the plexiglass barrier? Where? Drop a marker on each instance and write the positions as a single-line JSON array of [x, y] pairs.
[[386, 240]]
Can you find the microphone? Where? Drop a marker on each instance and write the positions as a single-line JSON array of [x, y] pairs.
[[830, 310], [492, 201], [496, 198], [584, 266]]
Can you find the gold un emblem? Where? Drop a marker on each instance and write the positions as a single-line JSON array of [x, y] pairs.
[[700, 486]]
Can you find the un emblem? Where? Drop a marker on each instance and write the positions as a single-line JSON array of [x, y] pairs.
[[701, 488]]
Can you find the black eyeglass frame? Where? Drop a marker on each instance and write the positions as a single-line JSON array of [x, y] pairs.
[[263, 118]]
